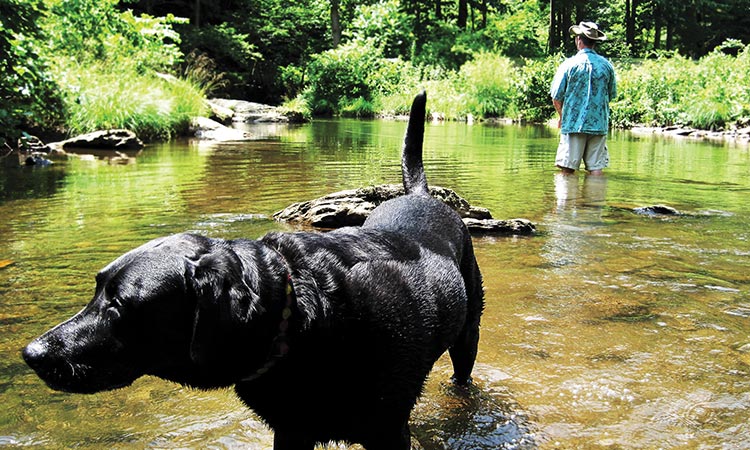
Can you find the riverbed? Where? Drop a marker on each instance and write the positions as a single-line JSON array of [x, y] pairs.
[[606, 329]]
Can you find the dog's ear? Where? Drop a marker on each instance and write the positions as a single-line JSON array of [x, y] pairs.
[[224, 302]]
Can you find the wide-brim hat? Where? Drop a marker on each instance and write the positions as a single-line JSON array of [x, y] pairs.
[[588, 29]]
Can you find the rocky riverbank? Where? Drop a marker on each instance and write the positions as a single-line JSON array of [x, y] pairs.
[[739, 135], [118, 145], [229, 111]]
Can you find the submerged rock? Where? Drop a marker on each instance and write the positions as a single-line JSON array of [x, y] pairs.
[[657, 210], [37, 159], [351, 208]]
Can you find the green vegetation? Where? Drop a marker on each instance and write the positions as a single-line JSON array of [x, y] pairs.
[[83, 65], [709, 93], [153, 107], [79, 65], [111, 67], [27, 93]]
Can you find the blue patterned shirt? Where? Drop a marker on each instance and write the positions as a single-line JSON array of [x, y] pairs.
[[585, 84]]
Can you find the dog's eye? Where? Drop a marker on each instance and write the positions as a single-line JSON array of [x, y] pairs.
[[115, 302], [115, 309]]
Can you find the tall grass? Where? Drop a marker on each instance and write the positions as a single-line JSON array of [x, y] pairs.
[[488, 81], [154, 107]]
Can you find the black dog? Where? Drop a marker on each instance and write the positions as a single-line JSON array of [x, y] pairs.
[[327, 337]]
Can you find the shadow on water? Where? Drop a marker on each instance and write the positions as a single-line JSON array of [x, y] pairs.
[[19, 183]]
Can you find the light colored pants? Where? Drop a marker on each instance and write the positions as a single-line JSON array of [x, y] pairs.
[[575, 147]]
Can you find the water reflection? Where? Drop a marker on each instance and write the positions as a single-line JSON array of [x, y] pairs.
[[30, 182], [576, 213]]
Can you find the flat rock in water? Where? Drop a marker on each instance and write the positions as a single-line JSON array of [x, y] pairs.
[[351, 208], [522, 227], [211, 130], [117, 139], [246, 112]]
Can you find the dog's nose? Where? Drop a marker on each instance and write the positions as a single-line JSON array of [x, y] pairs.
[[34, 353]]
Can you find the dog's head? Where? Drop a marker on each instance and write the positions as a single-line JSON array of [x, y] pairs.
[[182, 308]]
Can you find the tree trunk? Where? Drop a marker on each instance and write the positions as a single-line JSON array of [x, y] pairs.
[[657, 27], [463, 14], [670, 29], [564, 24], [483, 8], [471, 17], [631, 7], [335, 23], [197, 13], [552, 42], [627, 20]]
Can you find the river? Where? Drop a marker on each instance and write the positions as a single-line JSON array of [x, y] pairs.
[[607, 329]]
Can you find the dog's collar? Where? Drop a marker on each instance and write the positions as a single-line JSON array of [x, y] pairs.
[[280, 344]]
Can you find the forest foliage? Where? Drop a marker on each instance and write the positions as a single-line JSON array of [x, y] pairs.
[[147, 65]]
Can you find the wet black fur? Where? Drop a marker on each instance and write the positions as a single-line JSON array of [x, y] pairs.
[[374, 307]]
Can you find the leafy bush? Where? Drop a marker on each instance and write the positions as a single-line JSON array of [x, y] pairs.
[[518, 32], [720, 93], [353, 78], [337, 77], [532, 87], [108, 63], [28, 96], [651, 92], [95, 31], [385, 25]]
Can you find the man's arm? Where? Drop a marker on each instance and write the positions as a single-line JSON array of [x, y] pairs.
[[558, 107]]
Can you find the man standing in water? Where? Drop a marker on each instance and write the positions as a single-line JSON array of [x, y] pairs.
[[581, 91]]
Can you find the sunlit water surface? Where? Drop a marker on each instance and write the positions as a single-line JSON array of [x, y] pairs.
[[608, 329]]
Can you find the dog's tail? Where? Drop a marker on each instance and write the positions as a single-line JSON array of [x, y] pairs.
[[415, 181]]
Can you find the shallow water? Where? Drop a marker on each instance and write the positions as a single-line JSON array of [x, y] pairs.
[[608, 329]]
